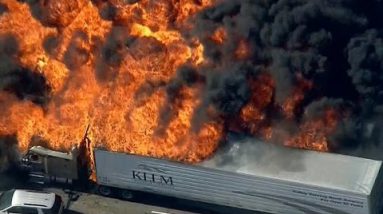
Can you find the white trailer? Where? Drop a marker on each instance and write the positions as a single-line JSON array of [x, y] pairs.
[[272, 180]]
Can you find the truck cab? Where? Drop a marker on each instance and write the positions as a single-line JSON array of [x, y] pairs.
[[45, 165], [30, 202]]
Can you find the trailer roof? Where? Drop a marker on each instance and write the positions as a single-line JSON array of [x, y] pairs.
[[335, 171], [264, 160]]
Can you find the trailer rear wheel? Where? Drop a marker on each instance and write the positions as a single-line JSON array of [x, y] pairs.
[[126, 194], [104, 190]]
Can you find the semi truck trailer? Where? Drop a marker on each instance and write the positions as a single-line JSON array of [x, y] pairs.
[[249, 175]]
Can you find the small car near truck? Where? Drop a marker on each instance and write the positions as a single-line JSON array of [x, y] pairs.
[[30, 202]]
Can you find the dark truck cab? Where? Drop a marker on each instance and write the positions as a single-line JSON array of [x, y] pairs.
[[45, 165]]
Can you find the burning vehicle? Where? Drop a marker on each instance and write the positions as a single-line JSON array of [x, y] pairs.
[[305, 184], [170, 79]]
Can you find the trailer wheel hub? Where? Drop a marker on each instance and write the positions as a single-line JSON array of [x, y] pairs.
[[105, 191]]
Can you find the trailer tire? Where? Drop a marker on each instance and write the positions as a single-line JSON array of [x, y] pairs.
[[104, 190], [126, 194]]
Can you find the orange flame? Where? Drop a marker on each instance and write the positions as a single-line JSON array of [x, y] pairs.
[[243, 50], [313, 134], [298, 95], [219, 36], [121, 94], [253, 114], [119, 120]]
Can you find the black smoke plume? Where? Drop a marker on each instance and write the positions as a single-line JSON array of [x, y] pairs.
[[11, 175], [335, 44], [23, 83], [3, 8], [9, 155]]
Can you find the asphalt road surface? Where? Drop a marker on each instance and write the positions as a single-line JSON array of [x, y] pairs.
[[78, 202], [89, 203]]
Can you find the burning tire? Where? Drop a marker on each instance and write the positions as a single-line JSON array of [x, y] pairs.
[[105, 191]]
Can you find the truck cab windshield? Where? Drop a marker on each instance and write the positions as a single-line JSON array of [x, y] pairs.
[[6, 199]]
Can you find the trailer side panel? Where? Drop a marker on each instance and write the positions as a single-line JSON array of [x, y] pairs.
[[221, 187]]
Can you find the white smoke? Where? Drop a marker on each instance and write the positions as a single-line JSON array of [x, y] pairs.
[[249, 154]]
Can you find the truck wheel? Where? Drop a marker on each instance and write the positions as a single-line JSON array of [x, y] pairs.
[[126, 194], [104, 190]]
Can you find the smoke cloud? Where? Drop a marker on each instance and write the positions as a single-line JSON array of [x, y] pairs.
[[335, 44], [237, 156], [11, 176], [9, 155], [24, 83], [3, 9], [257, 53]]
